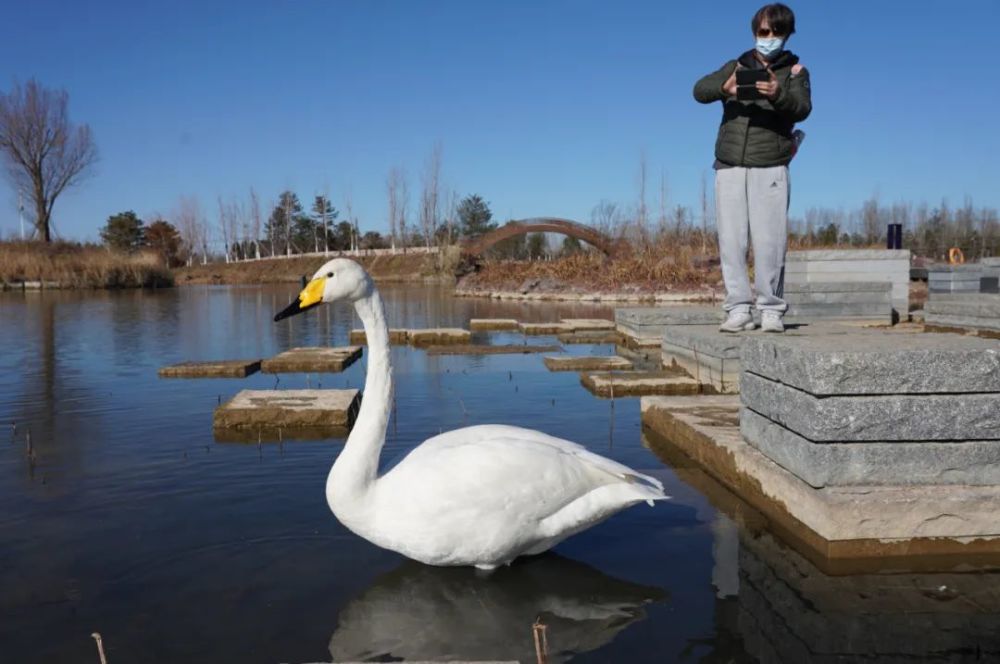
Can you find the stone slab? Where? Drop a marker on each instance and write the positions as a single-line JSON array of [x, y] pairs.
[[638, 317], [638, 383], [586, 363], [958, 323], [288, 408], [211, 369], [986, 305], [439, 336], [543, 328], [811, 255], [705, 339], [588, 324], [598, 337], [397, 337], [833, 522], [864, 362], [484, 349], [483, 324], [320, 359], [873, 463], [815, 287], [877, 417]]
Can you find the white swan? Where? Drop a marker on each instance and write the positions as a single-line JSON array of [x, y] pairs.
[[482, 495]]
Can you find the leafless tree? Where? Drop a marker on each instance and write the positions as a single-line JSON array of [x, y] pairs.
[[641, 211], [194, 234], [429, 195], [661, 221], [255, 222], [606, 217], [349, 211], [704, 215], [392, 199], [45, 152]]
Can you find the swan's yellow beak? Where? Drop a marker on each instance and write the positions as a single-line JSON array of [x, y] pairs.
[[310, 296]]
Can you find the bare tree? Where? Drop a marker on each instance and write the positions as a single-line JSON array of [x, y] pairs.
[[45, 153], [392, 191], [255, 222], [704, 215], [661, 221], [349, 211], [187, 219], [429, 195], [642, 212], [225, 225], [606, 217]]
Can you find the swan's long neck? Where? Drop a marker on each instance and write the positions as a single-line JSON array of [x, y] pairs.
[[356, 468]]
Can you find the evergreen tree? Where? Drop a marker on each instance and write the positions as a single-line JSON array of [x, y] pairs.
[[537, 246], [324, 214], [474, 216], [163, 238], [123, 231], [284, 226], [570, 246]]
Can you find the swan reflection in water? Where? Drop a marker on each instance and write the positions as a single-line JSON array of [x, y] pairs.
[[418, 612]]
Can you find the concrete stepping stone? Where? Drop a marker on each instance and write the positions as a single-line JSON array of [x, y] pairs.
[[484, 324], [543, 328], [586, 363], [643, 327], [484, 349], [211, 369], [273, 409], [592, 337], [588, 324], [638, 383], [439, 336], [397, 337], [318, 359]]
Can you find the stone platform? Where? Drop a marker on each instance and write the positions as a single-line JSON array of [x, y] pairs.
[[586, 363], [320, 359], [211, 369], [954, 278], [591, 337], [588, 324], [644, 326], [270, 410], [833, 522], [397, 337], [839, 300], [612, 385], [439, 336], [853, 265], [711, 357], [487, 324], [484, 349], [544, 328], [978, 311]]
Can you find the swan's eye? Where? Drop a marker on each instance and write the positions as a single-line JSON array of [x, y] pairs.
[[329, 275]]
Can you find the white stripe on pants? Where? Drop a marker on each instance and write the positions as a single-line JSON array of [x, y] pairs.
[[752, 204]]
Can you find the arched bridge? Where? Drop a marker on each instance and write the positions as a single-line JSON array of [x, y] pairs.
[[592, 236]]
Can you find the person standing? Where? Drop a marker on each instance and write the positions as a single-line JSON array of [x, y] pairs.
[[752, 151]]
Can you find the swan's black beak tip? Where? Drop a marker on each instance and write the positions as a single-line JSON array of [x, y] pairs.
[[294, 308]]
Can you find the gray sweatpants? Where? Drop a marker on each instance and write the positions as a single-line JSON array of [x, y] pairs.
[[752, 204]]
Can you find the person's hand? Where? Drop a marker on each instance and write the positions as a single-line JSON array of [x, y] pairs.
[[729, 87], [770, 87]]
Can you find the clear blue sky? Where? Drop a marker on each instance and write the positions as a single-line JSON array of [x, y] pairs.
[[541, 107]]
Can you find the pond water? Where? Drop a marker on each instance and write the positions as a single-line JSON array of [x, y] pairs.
[[129, 519]]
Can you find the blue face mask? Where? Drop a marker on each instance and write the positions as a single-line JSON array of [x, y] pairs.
[[769, 47]]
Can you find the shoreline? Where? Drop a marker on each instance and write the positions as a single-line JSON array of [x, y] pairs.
[[590, 296]]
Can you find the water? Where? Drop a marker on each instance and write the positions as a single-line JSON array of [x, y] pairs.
[[131, 520]]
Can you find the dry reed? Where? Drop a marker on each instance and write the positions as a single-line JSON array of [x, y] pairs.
[[70, 265]]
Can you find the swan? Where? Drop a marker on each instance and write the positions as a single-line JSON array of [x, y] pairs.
[[481, 495]]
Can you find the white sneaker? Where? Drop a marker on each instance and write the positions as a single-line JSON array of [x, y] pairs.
[[738, 321], [770, 321]]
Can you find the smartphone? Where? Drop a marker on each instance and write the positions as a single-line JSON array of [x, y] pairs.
[[746, 83]]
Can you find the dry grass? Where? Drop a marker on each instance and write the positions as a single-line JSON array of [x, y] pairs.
[[70, 265], [658, 266]]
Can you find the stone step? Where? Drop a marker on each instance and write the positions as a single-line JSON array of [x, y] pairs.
[[484, 349], [543, 328], [319, 359], [439, 336], [211, 369], [588, 324], [874, 462], [586, 363], [397, 337], [638, 383], [270, 410], [598, 337], [485, 324]]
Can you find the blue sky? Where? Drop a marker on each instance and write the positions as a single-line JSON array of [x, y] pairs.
[[541, 107]]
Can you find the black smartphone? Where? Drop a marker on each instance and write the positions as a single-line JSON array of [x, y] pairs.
[[746, 83]]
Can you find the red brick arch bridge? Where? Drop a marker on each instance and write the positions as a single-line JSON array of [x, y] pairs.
[[592, 236]]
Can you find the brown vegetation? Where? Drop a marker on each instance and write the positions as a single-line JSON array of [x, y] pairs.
[[70, 265]]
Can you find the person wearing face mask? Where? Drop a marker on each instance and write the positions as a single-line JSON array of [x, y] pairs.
[[752, 151]]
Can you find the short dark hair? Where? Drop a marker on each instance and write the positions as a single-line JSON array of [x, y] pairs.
[[780, 17]]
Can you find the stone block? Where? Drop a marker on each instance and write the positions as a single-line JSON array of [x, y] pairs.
[[543, 328], [598, 337], [588, 324], [480, 324], [853, 265], [638, 383], [397, 337], [711, 357], [956, 322], [864, 362], [835, 522], [586, 363], [484, 349], [439, 336], [319, 359], [211, 369], [984, 305], [874, 417], [272, 409], [873, 463], [638, 317]]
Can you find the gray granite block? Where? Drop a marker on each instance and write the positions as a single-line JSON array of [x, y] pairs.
[[991, 323], [856, 297], [841, 310], [705, 339], [965, 304], [872, 362], [873, 463], [991, 261], [637, 317], [880, 417], [838, 287], [847, 254]]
